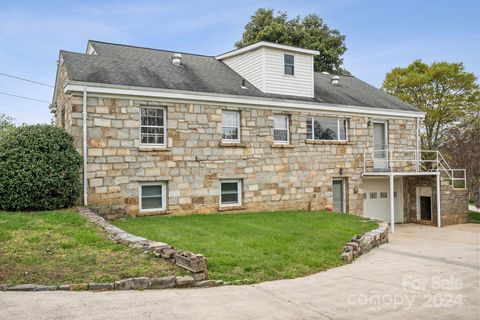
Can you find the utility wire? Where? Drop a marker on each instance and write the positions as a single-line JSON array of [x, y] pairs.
[[22, 97], [28, 80]]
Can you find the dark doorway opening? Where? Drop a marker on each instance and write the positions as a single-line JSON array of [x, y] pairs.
[[426, 208]]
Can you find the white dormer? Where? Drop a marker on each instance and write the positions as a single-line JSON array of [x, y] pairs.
[[274, 68]]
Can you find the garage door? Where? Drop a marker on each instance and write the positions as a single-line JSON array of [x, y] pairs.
[[376, 199]]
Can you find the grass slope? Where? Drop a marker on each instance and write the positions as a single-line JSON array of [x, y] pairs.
[[58, 247], [254, 247]]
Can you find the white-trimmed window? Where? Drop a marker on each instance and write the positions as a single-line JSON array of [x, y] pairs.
[[153, 196], [289, 64], [152, 126], [230, 193], [326, 129], [281, 129], [230, 126]]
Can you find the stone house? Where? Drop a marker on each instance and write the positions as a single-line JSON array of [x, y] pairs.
[[253, 129]]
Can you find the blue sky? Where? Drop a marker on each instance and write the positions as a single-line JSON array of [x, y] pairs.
[[380, 35]]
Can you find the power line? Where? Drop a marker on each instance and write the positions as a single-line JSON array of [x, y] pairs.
[[22, 97], [28, 80]]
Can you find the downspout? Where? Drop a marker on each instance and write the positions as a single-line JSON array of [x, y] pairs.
[[418, 155], [85, 154]]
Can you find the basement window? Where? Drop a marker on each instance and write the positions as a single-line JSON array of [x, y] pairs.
[[153, 196], [230, 193], [326, 129], [289, 64], [152, 126]]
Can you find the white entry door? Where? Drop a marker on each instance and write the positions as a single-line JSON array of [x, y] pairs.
[[380, 145], [376, 199]]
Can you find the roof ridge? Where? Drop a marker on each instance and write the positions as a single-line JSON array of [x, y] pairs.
[[147, 48]]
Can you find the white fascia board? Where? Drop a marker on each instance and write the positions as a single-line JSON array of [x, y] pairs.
[[205, 97], [265, 44]]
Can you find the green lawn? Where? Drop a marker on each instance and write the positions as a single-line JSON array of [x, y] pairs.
[[58, 247], [254, 247], [474, 217]]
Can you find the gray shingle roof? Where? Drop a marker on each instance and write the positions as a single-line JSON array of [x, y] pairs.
[[134, 66]]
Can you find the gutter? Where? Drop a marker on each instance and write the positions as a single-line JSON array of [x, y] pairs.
[[232, 99], [85, 151]]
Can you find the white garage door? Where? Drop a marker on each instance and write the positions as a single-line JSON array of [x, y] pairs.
[[376, 199]]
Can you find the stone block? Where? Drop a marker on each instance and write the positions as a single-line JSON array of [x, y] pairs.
[[184, 281], [100, 122], [140, 283], [353, 245], [162, 283], [169, 253], [199, 276], [22, 287], [190, 261], [347, 256]]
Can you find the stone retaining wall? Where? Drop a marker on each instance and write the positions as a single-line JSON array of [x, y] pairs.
[[361, 244], [195, 263]]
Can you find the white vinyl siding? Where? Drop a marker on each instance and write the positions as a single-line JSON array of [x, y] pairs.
[[276, 81], [265, 69], [249, 66]]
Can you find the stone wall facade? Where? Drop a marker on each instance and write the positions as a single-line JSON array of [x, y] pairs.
[[295, 176], [453, 202]]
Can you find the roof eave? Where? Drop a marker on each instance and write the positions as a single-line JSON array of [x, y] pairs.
[[78, 86]]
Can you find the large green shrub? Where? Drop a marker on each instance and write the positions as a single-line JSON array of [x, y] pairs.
[[39, 169]]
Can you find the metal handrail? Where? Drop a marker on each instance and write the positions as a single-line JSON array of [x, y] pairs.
[[418, 158]]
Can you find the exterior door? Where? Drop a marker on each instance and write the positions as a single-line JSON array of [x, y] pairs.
[[338, 192], [380, 145]]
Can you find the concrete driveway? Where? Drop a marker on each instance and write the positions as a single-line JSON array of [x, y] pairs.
[[423, 273]]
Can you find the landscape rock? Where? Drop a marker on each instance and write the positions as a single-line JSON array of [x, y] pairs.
[[45, 288], [22, 287], [199, 276], [184, 281], [162, 283], [190, 261], [140, 283]]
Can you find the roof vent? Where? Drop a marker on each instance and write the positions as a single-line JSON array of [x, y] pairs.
[[244, 84], [335, 80], [177, 59]]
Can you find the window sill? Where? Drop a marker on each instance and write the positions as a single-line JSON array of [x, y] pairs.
[[282, 146], [231, 208], [327, 142], [232, 144], [153, 148]]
